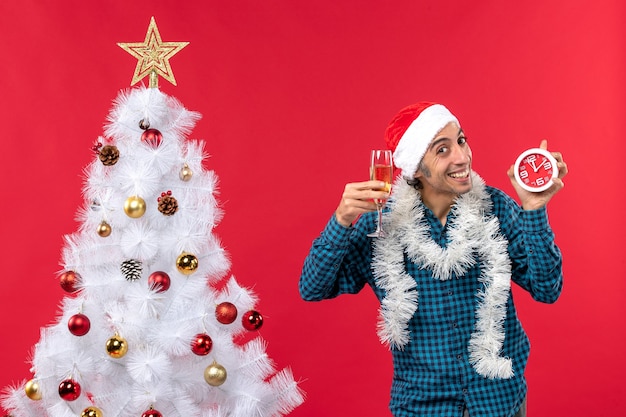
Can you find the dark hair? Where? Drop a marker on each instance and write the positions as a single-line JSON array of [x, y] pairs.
[[415, 183]]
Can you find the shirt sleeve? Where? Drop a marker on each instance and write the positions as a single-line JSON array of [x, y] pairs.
[[338, 263], [536, 261]]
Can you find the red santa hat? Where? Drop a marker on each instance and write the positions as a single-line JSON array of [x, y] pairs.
[[410, 132]]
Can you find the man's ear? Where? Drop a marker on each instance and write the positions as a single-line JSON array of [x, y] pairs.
[[422, 171]]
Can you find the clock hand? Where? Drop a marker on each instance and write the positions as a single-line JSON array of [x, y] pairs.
[[532, 164]]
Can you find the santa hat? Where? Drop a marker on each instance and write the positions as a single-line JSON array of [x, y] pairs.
[[410, 132]]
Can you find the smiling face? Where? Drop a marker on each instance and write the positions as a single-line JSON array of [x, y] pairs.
[[445, 168]]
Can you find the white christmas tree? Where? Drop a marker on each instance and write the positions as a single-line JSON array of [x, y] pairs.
[[151, 326]]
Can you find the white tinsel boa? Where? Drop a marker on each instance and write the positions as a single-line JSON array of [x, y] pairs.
[[473, 233]]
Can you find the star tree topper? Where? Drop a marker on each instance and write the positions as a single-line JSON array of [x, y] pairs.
[[153, 56]]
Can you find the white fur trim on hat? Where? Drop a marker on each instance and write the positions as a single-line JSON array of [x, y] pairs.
[[414, 142]]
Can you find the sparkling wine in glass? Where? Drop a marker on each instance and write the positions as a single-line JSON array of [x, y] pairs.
[[381, 169]]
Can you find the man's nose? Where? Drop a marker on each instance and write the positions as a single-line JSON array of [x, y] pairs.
[[461, 154]]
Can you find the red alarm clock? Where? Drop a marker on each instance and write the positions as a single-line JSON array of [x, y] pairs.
[[534, 170]]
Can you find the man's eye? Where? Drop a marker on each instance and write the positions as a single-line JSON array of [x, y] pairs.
[[462, 140], [442, 149]]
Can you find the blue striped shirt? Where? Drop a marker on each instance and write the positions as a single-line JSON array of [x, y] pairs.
[[432, 375]]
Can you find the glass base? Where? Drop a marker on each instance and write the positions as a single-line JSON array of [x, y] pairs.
[[377, 233]]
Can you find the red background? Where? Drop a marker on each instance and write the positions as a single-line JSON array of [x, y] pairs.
[[294, 94]]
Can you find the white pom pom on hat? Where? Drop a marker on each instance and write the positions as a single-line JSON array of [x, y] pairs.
[[412, 130]]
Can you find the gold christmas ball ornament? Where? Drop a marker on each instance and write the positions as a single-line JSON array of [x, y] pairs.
[[187, 263], [135, 207], [91, 411], [215, 374], [104, 229], [32, 390], [117, 347], [186, 173]]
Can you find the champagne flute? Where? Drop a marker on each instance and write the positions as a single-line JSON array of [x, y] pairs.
[[381, 169]]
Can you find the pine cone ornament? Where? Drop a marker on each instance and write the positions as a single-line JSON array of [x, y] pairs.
[[109, 155], [168, 205], [131, 269]]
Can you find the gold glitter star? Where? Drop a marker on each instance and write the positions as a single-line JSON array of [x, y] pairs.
[[153, 56]]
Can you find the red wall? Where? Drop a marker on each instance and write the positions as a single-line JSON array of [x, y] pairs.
[[294, 94]]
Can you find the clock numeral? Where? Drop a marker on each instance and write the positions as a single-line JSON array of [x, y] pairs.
[[523, 174], [540, 181], [547, 165]]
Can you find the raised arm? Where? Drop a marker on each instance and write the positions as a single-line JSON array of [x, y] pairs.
[[339, 259]]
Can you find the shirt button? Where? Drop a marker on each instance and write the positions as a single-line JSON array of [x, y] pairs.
[[454, 324], [459, 357], [465, 391], [449, 292]]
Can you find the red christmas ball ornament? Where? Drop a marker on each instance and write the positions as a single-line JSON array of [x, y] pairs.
[[69, 390], [151, 413], [159, 281], [252, 320], [201, 344], [69, 281], [79, 324], [152, 137], [226, 312]]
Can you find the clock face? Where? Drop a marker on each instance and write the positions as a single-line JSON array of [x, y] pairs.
[[535, 169]]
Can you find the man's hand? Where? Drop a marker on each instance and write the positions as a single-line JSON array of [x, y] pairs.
[[534, 201], [358, 198]]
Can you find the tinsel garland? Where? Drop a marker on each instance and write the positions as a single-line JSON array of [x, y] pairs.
[[474, 234]]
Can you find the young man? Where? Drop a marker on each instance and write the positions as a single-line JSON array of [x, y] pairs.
[[442, 272]]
